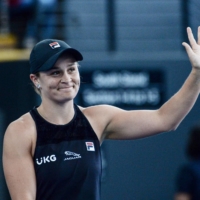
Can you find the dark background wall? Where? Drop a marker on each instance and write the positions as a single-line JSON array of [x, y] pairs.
[[17, 98]]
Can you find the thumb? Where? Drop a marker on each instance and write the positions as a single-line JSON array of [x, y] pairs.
[[188, 48], [191, 55]]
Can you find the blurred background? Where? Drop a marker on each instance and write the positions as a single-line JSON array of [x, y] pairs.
[[133, 59]]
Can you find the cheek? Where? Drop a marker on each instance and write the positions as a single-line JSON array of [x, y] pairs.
[[53, 83], [50, 84], [78, 79]]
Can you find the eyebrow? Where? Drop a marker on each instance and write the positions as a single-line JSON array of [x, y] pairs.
[[70, 64]]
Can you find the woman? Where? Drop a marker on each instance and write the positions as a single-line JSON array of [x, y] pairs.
[[52, 152]]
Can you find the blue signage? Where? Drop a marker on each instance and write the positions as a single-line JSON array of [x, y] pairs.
[[122, 88]]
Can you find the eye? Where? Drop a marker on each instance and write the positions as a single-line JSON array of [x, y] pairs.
[[71, 69], [55, 73]]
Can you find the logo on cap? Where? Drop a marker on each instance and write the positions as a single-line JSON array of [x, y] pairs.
[[54, 45]]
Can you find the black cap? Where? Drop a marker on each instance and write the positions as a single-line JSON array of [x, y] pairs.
[[46, 52]]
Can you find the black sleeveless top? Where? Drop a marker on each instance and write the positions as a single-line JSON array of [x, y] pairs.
[[67, 159]]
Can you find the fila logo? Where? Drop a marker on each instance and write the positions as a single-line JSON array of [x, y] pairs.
[[54, 45], [46, 159], [90, 146]]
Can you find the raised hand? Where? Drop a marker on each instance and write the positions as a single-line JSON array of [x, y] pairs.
[[193, 50]]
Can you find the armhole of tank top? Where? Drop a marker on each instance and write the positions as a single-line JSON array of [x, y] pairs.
[[33, 115], [79, 110]]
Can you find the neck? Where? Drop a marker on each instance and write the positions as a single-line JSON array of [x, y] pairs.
[[57, 113]]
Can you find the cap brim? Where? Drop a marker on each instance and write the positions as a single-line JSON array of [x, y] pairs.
[[51, 61]]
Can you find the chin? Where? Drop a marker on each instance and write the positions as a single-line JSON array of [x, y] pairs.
[[64, 99]]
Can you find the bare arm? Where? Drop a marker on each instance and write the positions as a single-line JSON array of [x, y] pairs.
[[18, 163], [116, 123]]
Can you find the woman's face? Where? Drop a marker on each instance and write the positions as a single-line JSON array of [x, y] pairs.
[[61, 83]]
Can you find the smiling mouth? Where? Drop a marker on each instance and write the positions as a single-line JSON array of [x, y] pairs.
[[66, 88]]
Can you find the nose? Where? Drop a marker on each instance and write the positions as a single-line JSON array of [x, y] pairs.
[[65, 78]]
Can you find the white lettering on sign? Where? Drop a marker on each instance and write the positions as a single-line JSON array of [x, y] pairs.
[[120, 79], [131, 96]]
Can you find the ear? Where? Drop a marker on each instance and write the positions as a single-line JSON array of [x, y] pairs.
[[34, 79]]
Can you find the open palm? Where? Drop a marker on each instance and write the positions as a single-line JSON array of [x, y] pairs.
[[193, 50]]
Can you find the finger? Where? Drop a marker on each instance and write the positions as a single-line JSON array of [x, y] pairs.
[[188, 48], [198, 34], [191, 37]]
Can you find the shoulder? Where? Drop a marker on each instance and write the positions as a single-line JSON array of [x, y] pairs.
[[20, 132], [100, 109], [103, 113], [22, 124]]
